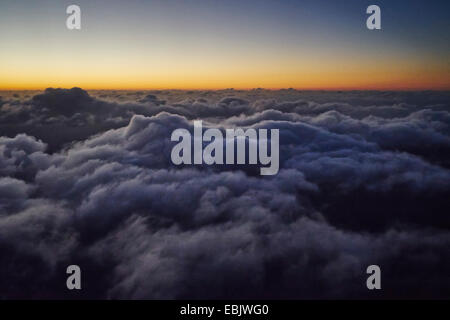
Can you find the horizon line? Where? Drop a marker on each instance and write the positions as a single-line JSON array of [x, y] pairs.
[[233, 88]]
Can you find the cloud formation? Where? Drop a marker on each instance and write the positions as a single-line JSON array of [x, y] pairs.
[[86, 178]]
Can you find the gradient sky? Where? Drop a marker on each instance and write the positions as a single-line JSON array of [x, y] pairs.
[[210, 44]]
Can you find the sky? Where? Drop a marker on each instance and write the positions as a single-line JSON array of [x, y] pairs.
[[212, 44]]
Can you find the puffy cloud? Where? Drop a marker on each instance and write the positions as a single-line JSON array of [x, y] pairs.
[[364, 179]]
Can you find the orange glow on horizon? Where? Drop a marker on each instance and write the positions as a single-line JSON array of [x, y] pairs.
[[377, 80], [242, 72]]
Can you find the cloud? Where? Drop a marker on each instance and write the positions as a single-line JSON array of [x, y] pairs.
[[86, 178]]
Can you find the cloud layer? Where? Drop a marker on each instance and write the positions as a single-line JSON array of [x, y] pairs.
[[86, 178]]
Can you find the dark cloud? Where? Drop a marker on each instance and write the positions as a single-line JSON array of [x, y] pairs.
[[86, 178]]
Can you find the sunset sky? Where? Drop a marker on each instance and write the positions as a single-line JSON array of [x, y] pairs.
[[221, 44]]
